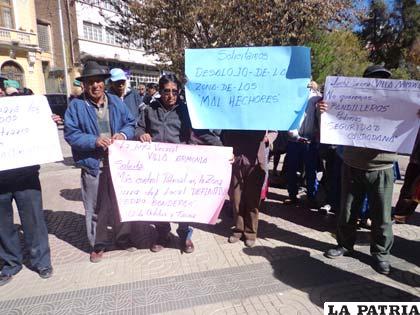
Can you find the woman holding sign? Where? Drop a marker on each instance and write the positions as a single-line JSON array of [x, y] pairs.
[[166, 120]]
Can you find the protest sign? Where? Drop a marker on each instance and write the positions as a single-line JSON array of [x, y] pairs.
[[169, 182], [371, 113], [28, 136], [248, 88]]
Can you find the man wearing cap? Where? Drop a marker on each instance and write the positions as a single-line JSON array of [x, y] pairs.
[[118, 87], [366, 171], [92, 122]]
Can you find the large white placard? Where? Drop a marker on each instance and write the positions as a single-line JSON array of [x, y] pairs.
[[169, 182], [28, 135], [371, 113]]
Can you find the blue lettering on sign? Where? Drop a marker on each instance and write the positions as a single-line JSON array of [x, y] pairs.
[[256, 88]]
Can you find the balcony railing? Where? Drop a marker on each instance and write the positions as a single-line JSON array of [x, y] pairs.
[[18, 37]]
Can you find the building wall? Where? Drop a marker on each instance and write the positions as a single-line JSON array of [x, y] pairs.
[[20, 45], [47, 13], [110, 53]]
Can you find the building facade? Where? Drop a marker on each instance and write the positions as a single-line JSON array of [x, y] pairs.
[[20, 54], [85, 38], [96, 43], [50, 42]]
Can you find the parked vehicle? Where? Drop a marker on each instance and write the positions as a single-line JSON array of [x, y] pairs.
[[58, 103]]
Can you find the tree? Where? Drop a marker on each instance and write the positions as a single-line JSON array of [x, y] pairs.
[[167, 27], [380, 31], [337, 53], [393, 36]]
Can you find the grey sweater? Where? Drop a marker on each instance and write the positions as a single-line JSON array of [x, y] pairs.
[[172, 126]]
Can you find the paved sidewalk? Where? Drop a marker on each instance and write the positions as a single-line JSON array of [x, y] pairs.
[[286, 273]]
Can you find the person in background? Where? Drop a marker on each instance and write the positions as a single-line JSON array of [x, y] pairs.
[[248, 174], [2, 87], [166, 120], [406, 205], [76, 90], [92, 122], [304, 144], [118, 86], [152, 93], [141, 90], [23, 186], [366, 171]]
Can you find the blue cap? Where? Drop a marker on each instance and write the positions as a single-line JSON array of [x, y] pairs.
[[117, 74]]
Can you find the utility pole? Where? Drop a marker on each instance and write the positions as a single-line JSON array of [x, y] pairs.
[[63, 48]]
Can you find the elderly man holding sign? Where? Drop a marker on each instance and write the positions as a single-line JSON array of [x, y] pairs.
[[92, 122], [356, 109]]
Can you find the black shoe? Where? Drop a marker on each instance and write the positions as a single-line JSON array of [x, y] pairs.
[[337, 251], [383, 267], [188, 247], [4, 279], [160, 243], [45, 273]]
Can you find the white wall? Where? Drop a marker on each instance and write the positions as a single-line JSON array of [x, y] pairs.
[[103, 50]]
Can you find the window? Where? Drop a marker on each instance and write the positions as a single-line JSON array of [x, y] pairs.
[[44, 37], [137, 78], [6, 13], [92, 31], [110, 38]]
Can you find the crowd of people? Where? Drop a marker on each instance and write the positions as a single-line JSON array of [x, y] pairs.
[[353, 178]]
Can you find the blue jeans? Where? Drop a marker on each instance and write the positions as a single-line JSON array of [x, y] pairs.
[[27, 194], [308, 153]]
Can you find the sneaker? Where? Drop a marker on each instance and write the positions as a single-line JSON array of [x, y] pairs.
[[45, 273], [233, 239], [249, 243], [383, 267], [366, 223], [96, 256], [324, 209], [188, 247], [5, 279], [337, 251]]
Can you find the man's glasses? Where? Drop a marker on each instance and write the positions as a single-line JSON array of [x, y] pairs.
[[168, 91]]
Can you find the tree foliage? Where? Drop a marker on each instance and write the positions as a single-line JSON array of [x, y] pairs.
[[167, 27], [337, 53], [393, 36]]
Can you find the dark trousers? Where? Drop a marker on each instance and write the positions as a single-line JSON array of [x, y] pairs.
[[102, 211], [297, 152], [27, 195], [245, 192], [378, 186], [184, 231], [406, 205], [330, 183]]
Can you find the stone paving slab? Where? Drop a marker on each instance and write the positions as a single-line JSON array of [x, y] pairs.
[[286, 273]]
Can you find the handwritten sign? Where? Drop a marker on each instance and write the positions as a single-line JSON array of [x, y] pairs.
[[169, 182], [372, 113], [254, 88], [28, 136]]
